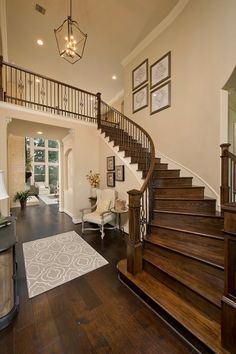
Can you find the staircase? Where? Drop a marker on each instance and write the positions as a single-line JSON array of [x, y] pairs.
[[179, 259], [183, 252]]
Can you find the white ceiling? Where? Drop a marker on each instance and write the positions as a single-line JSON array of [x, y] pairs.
[[20, 127], [114, 29]]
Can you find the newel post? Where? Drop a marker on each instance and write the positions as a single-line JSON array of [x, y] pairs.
[[134, 245], [1, 79], [228, 303], [99, 109], [224, 188]]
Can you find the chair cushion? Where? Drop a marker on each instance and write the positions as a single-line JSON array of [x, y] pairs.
[[96, 218], [102, 205]]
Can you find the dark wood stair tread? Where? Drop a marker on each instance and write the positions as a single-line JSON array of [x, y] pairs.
[[205, 329], [213, 214], [217, 234], [179, 187], [189, 273], [181, 248], [185, 198]]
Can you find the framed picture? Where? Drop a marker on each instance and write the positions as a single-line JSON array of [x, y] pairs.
[[160, 70], [160, 98], [140, 75], [120, 173], [110, 179], [111, 163], [140, 99]]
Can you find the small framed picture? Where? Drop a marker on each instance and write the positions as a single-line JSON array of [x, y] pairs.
[[160, 70], [111, 163], [140, 99], [160, 98], [120, 173], [140, 75], [110, 179]]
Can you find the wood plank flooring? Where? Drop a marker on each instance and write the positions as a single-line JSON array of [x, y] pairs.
[[94, 313]]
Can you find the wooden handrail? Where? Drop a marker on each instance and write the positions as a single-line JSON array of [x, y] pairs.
[[139, 200], [33, 90], [13, 66]]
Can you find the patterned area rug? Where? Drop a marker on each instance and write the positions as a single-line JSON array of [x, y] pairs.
[[49, 199], [55, 260]]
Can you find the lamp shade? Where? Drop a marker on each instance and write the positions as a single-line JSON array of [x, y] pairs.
[[3, 192]]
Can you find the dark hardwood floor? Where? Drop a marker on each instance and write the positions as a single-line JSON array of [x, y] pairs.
[[94, 313]]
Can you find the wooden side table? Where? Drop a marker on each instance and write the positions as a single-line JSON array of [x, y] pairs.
[[9, 300]]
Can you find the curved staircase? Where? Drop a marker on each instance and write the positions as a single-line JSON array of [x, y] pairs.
[[178, 258], [183, 251]]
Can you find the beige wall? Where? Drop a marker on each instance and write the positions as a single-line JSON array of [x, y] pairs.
[[4, 204], [121, 187], [16, 166], [80, 155], [202, 44]]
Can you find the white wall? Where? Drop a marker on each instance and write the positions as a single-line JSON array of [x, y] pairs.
[[202, 44]]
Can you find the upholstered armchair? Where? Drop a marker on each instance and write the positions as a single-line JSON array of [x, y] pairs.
[[100, 213]]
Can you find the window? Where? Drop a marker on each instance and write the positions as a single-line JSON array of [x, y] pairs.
[[53, 144], [39, 142], [52, 156], [39, 155], [45, 163], [39, 173], [53, 175]]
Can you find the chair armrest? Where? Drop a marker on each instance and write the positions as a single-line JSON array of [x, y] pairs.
[[105, 212], [88, 209]]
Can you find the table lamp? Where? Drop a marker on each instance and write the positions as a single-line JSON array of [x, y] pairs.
[[3, 194]]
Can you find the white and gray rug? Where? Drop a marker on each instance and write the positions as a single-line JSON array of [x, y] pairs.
[[48, 199], [55, 260]]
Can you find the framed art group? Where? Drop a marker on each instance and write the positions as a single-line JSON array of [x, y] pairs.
[[160, 85], [115, 173]]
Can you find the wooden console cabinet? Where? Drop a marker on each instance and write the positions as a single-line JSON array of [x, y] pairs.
[[9, 301]]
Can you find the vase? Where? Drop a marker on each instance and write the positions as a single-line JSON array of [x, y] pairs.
[[22, 204], [93, 192]]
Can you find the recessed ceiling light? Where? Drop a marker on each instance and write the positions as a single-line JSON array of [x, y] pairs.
[[40, 133], [114, 77], [39, 42]]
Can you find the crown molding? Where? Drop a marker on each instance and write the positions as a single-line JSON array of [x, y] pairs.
[[156, 31]]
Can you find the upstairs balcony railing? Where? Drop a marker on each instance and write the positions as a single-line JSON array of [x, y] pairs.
[[28, 89]]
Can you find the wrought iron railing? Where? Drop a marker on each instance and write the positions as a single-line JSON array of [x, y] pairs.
[[228, 175], [134, 139], [25, 88]]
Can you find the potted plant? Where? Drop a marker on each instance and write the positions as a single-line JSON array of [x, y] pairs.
[[22, 197]]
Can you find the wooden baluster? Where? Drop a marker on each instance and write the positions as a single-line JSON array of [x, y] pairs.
[[224, 188], [99, 109], [134, 245], [1, 79]]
